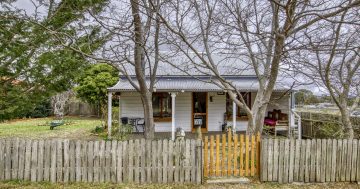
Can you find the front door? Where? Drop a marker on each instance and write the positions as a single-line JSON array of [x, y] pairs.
[[199, 111]]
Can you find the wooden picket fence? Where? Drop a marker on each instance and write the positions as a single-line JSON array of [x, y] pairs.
[[231, 155], [138, 161], [316, 160]]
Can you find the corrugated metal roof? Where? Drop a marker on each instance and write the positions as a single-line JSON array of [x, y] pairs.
[[168, 84], [177, 65]]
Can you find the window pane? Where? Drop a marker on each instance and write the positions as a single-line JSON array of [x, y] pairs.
[[229, 105], [199, 100], [161, 104], [240, 112], [156, 105], [166, 106], [247, 100]]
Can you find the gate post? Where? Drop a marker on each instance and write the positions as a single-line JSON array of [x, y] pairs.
[[263, 160]]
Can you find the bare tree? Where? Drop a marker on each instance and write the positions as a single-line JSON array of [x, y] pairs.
[[59, 101], [259, 33], [140, 38], [330, 57], [132, 30]]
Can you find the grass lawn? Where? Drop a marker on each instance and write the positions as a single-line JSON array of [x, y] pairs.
[[39, 128], [257, 185]]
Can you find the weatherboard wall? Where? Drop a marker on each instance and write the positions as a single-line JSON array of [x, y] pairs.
[[131, 106]]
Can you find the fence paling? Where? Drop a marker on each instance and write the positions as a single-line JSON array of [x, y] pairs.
[[136, 161], [206, 157], [241, 155], [231, 155], [321, 160], [218, 171], [223, 145], [235, 169], [212, 155]]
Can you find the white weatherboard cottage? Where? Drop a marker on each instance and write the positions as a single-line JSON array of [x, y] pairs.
[[184, 101]]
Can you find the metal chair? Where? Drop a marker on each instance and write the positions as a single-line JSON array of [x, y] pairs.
[[140, 122]]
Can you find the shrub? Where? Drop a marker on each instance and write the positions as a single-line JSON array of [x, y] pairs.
[[329, 130], [121, 132], [43, 109], [98, 129]]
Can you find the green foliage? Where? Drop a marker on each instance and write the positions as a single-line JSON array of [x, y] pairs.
[[33, 64], [93, 84], [17, 103], [42, 109], [98, 129], [67, 11], [121, 132], [118, 132], [115, 111], [329, 130], [306, 97]]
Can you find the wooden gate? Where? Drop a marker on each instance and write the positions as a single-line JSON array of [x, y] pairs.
[[231, 155]]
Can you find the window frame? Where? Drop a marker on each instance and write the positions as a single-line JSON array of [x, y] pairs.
[[161, 96], [229, 102]]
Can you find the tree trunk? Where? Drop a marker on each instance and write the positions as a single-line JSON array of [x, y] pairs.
[[258, 115], [265, 91], [346, 122], [259, 118], [148, 115], [258, 111], [146, 95]]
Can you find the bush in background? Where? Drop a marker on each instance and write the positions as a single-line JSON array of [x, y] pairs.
[[43, 109]]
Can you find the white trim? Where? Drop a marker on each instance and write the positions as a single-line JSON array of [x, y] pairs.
[[173, 96], [119, 111], [234, 116], [109, 113]]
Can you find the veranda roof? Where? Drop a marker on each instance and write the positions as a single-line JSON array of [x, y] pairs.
[[191, 84]]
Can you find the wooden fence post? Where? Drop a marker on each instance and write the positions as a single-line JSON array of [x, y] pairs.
[[263, 161], [258, 154]]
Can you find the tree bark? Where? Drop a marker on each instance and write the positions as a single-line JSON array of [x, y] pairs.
[[264, 93], [146, 95], [346, 122], [258, 114], [148, 115]]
